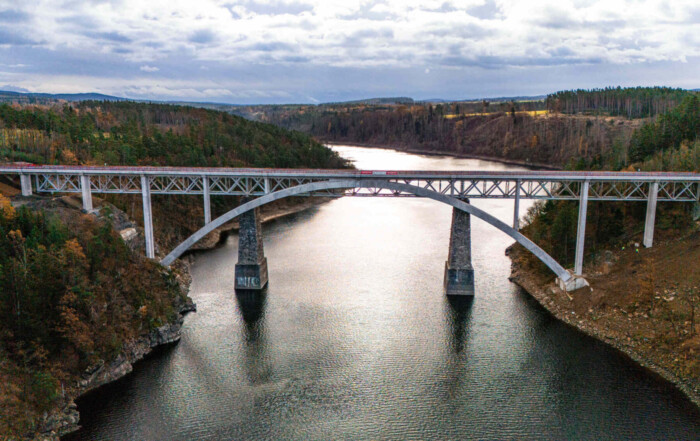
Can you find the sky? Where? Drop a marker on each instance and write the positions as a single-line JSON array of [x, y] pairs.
[[310, 51]]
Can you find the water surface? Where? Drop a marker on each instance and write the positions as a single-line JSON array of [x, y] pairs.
[[355, 340]]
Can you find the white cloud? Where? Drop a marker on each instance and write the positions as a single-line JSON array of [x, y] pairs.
[[211, 36], [516, 32]]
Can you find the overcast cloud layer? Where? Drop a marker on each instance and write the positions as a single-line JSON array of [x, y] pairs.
[[267, 51]]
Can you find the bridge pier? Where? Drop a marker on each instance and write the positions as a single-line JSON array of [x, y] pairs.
[[459, 273], [251, 269]]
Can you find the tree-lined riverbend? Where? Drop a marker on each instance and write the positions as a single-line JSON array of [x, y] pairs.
[[356, 340]]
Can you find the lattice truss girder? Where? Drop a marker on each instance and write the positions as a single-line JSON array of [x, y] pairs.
[[632, 190]]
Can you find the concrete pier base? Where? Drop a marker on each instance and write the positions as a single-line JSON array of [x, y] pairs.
[[459, 273], [251, 269], [574, 283]]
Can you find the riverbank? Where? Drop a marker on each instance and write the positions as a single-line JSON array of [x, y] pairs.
[[444, 154], [65, 419], [639, 302]]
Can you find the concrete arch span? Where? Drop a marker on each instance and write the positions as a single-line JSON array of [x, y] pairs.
[[353, 183]]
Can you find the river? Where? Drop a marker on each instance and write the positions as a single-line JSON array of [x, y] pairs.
[[355, 340]]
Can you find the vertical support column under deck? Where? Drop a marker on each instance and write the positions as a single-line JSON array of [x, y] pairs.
[[147, 217], [87, 193], [459, 273], [516, 210], [581, 231], [696, 206], [251, 269], [651, 214], [207, 201], [25, 182]]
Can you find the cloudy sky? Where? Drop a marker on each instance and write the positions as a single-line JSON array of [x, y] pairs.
[[282, 51]]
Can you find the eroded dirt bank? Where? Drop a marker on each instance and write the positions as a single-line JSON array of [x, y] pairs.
[[644, 302]]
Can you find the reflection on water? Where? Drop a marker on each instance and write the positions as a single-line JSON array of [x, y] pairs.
[[458, 313], [355, 340]]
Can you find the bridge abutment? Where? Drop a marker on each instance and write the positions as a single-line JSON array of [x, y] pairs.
[[251, 269], [459, 273]]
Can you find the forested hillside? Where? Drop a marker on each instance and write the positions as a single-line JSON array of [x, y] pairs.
[[582, 129], [631, 102], [514, 134], [127, 133], [669, 143]]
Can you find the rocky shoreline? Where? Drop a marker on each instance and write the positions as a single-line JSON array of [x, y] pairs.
[[66, 419], [550, 297]]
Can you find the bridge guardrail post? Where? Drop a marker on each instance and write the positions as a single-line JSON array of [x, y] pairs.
[[581, 231], [651, 215]]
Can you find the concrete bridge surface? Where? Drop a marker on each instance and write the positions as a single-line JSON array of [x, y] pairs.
[[262, 186]]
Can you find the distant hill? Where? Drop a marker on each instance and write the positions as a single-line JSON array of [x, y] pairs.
[[372, 101], [492, 99], [43, 98]]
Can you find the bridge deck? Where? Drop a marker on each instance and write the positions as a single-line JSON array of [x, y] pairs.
[[463, 184]]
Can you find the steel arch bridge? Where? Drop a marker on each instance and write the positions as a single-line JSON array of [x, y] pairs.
[[454, 188]]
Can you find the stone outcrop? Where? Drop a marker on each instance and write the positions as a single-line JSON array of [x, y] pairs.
[[67, 419]]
